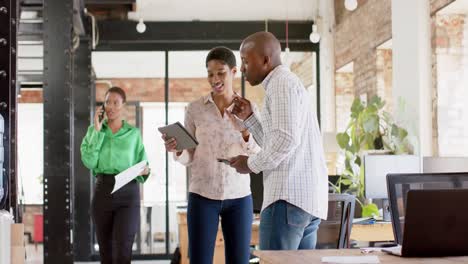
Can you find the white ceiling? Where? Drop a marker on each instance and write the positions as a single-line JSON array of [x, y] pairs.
[[223, 10], [457, 7]]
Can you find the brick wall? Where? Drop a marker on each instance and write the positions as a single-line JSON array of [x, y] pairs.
[[344, 90], [180, 89], [450, 62], [304, 69], [341, 13], [152, 90], [357, 36], [360, 32], [436, 5], [385, 77], [30, 96], [356, 39]]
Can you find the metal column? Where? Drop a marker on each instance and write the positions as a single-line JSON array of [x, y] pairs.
[[83, 83], [58, 131], [8, 46]]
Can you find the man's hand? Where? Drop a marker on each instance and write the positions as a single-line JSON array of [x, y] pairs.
[[235, 121], [240, 164], [242, 107]]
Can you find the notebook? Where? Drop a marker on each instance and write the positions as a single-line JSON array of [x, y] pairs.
[[182, 136]]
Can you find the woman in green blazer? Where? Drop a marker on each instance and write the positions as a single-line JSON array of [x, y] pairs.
[[110, 146]]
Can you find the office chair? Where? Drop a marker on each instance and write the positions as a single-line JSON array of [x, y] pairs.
[[398, 186], [336, 230]]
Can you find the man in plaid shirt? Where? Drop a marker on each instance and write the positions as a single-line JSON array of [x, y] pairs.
[[295, 177]]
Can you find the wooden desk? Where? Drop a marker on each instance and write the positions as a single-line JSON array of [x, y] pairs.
[[315, 256]]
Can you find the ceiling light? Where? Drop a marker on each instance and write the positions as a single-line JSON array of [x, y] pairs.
[[314, 36], [141, 27], [351, 5]]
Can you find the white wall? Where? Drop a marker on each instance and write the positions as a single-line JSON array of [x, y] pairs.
[[412, 70]]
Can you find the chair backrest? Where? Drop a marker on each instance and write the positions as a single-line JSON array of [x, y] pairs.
[[399, 184], [336, 230]]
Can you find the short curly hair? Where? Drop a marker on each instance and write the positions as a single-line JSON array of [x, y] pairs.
[[223, 54]]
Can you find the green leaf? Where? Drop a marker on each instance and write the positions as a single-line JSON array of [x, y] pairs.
[[402, 133], [358, 160], [346, 181], [370, 123], [370, 210], [394, 130], [387, 117], [348, 174], [356, 108], [371, 110], [343, 140], [349, 155], [377, 102], [368, 141]]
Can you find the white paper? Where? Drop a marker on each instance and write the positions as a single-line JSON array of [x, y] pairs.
[[351, 259], [128, 175]]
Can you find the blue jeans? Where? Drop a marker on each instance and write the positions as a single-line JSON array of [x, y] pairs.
[[203, 220], [284, 226]]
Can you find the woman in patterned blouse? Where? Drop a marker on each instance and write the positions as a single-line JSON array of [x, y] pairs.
[[215, 189]]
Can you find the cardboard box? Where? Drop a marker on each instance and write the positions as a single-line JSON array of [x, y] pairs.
[[17, 235], [18, 255]]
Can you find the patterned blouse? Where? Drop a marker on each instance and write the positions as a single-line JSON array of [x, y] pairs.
[[217, 138]]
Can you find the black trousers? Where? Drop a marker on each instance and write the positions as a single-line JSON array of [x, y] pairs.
[[117, 219]]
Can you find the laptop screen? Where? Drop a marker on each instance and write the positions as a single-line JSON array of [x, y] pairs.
[[435, 223], [400, 184]]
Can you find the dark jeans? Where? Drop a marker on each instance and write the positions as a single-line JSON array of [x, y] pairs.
[[236, 221], [117, 218]]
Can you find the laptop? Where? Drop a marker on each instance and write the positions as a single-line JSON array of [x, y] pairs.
[[435, 224]]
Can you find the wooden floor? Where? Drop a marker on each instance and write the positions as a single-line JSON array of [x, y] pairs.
[[35, 256]]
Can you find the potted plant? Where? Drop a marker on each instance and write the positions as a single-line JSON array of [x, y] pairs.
[[370, 129]]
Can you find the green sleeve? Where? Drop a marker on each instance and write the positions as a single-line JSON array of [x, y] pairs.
[[91, 146], [141, 155]]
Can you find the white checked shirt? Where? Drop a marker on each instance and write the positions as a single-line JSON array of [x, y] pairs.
[[217, 138], [292, 157]]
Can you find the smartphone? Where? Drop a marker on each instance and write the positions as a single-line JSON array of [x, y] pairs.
[[101, 116], [225, 161]]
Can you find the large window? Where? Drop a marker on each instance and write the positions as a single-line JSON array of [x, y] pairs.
[[30, 153], [156, 100]]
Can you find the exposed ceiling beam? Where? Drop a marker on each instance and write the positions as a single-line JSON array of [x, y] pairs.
[[110, 9], [122, 35]]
